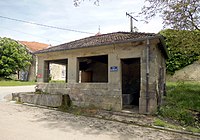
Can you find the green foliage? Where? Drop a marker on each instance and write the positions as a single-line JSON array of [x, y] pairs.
[[183, 47], [13, 57], [182, 104]]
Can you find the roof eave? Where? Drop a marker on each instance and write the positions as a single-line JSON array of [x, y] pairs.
[[162, 40], [117, 42]]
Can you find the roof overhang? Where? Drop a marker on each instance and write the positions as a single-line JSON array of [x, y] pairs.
[[161, 46]]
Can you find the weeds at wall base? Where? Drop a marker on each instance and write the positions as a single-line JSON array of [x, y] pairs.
[[161, 122]]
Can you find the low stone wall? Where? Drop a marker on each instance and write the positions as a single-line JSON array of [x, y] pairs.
[[188, 73], [49, 100], [85, 94]]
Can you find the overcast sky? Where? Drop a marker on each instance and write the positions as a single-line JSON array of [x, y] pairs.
[[110, 16]]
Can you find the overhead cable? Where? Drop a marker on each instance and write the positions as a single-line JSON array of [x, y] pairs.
[[44, 25], [30, 34]]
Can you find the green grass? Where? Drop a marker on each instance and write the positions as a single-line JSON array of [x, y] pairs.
[[15, 83], [192, 129], [166, 124], [182, 104], [57, 81], [162, 123]]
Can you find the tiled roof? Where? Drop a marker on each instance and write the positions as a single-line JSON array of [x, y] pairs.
[[103, 39], [34, 46]]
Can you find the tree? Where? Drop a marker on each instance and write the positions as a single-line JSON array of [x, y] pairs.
[[13, 57], [183, 47], [177, 14]]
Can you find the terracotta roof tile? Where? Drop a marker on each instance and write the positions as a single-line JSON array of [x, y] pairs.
[[103, 39], [34, 46]]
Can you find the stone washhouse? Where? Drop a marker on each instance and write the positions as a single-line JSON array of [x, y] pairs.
[[115, 71]]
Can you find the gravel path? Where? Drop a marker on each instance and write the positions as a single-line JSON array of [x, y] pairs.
[[21, 122]]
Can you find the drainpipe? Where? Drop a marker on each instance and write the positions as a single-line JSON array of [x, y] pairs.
[[147, 74]]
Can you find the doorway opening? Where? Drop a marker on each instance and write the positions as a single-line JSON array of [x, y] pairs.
[[130, 83], [56, 70]]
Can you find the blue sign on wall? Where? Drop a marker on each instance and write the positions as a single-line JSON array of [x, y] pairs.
[[113, 68]]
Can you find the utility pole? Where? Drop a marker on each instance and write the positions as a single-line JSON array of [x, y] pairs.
[[131, 20], [99, 28]]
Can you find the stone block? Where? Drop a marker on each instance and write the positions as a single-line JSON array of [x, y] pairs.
[[16, 97], [50, 100], [152, 105]]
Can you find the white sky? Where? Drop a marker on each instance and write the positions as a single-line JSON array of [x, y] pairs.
[[110, 16]]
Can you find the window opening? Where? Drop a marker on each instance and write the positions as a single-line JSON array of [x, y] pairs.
[[93, 69]]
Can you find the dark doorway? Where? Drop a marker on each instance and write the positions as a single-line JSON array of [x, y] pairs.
[[130, 83]]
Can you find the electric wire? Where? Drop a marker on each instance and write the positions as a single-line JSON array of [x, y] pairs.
[[44, 25], [30, 34]]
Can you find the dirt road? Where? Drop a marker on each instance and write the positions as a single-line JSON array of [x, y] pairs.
[[22, 122]]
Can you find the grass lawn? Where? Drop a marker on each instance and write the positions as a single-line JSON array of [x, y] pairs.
[[15, 83], [182, 104], [57, 81]]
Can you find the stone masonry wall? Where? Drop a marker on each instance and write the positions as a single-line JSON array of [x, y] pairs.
[[49, 100], [156, 61], [104, 95], [85, 94]]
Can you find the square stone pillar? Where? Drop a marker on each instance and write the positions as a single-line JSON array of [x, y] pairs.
[[66, 78], [114, 80], [46, 72], [40, 70], [43, 71], [114, 69], [73, 69]]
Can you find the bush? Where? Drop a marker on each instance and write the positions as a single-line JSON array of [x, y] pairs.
[[183, 47]]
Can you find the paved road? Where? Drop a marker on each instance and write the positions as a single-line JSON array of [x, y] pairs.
[[21, 122], [12, 89]]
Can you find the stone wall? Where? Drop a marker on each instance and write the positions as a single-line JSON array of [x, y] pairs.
[[188, 73], [106, 95], [155, 81], [87, 94], [49, 100]]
